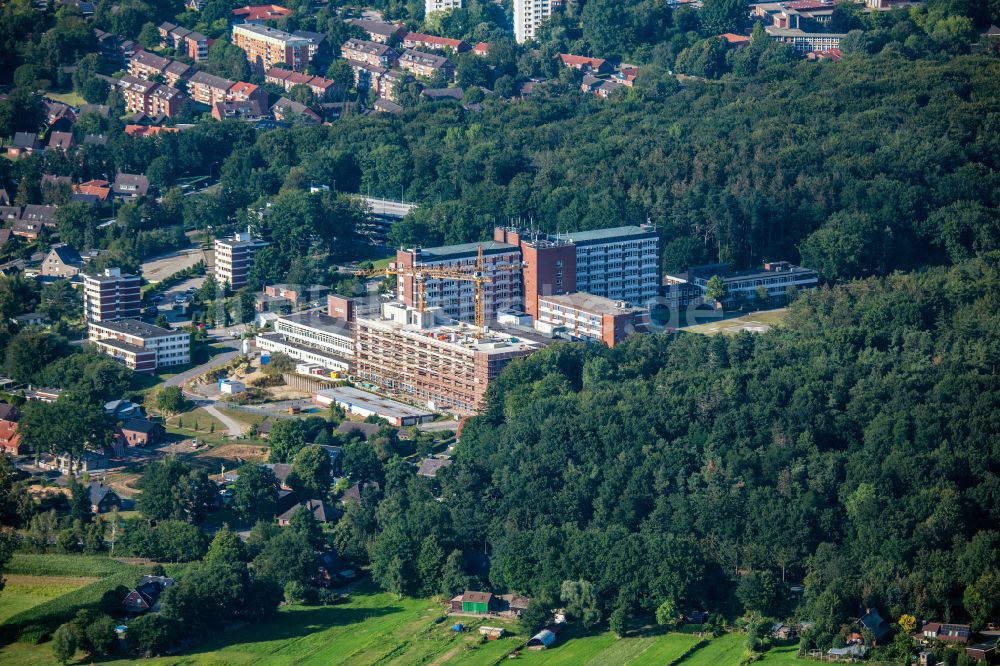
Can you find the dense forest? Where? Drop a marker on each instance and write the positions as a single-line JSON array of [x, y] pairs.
[[855, 451]]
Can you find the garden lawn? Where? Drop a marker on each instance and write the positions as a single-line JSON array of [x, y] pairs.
[[198, 417]]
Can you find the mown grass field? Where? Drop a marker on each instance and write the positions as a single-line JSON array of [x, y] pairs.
[[372, 627], [605, 648]]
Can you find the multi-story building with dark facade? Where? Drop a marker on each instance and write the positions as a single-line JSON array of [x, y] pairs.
[[111, 295]]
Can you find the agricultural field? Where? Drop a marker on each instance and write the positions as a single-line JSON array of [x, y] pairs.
[[21, 593], [43, 591]]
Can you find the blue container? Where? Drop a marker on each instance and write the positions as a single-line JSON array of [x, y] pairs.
[[264, 359]]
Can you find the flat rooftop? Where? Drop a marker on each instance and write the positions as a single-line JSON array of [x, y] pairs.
[[374, 403], [590, 303], [597, 236], [388, 208], [136, 328], [268, 31], [498, 339], [748, 274], [279, 339], [122, 346], [321, 322], [462, 250], [101, 277]]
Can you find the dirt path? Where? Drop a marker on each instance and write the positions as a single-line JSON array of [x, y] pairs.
[[235, 427]]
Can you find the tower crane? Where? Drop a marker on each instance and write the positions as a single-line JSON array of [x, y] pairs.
[[477, 275]]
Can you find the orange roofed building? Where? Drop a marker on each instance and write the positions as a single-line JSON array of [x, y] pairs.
[[583, 63], [258, 13], [97, 188], [10, 438], [143, 131], [738, 41]]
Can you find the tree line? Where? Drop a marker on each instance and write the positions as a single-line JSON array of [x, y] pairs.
[[852, 451]]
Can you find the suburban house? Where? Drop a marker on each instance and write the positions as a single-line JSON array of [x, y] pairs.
[[62, 261], [281, 472], [286, 109], [96, 188], [949, 633], [145, 596], [40, 214], [10, 439], [251, 111], [103, 498], [122, 409], [365, 430], [353, 494], [874, 623], [24, 143], [583, 63], [130, 186], [321, 511], [429, 466], [142, 432], [61, 141]]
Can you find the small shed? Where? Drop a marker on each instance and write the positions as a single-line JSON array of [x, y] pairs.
[[492, 633], [477, 602], [231, 386]]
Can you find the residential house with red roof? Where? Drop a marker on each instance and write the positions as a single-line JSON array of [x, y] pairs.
[[417, 40], [584, 63]]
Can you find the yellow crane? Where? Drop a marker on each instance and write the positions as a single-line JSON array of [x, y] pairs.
[[477, 275]]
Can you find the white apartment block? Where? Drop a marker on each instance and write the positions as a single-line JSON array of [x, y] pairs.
[[528, 15], [311, 337], [441, 6], [621, 264], [234, 258], [140, 346], [317, 330], [275, 343]]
